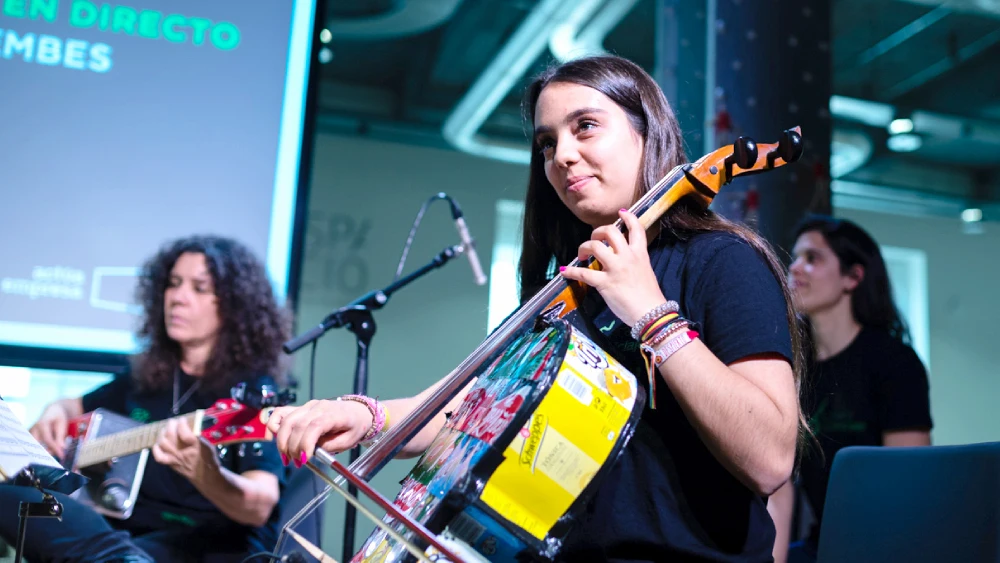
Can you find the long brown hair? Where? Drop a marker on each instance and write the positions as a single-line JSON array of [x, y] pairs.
[[252, 324], [551, 233]]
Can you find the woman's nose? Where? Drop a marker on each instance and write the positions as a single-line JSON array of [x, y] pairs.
[[567, 153], [796, 266]]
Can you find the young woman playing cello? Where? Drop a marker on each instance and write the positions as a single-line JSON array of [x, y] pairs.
[[707, 295]]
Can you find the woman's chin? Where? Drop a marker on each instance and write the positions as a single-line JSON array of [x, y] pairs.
[[595, 218], [178, 335]]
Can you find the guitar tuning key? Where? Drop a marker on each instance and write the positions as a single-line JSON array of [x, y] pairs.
[[258, 449], [223, 450], [744, 155], [789, 148]]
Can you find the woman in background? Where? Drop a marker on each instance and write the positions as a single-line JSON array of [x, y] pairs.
[[866, 386]]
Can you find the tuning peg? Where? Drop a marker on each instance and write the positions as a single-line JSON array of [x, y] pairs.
[[789, 148], [744, 155]]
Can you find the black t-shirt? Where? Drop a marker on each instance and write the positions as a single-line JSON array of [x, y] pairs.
[[667, 498], [876, 384], [166, 499]]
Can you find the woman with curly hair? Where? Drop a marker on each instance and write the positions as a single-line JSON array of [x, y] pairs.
[[210, 320]]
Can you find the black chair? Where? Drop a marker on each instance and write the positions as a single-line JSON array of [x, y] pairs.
[[923, 504]]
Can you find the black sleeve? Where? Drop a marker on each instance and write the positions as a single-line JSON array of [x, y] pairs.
[[904, 401], [737, 303], [109, 396]]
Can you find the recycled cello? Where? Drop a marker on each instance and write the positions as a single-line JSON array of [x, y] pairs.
[[487, 489]]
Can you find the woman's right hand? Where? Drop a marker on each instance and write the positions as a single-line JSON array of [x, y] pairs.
[[50, 430], [332, 425]]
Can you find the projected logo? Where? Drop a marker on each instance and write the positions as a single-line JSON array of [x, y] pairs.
[[112, 287]]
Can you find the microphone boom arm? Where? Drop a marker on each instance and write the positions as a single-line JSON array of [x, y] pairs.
[[371, 301]]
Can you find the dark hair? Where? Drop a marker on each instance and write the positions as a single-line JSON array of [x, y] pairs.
[[871, 301], [552, 233], [252, 324]]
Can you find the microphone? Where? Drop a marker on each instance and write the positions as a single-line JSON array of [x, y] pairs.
[[468, 244]]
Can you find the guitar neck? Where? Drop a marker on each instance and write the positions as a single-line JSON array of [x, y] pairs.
[[133, 440]]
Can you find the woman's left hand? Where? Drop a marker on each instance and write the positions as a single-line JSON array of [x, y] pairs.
[[626, 279], [184, 451]]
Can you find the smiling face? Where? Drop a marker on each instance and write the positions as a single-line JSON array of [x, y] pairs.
[[592, 154], [815, 276], [191, 308]]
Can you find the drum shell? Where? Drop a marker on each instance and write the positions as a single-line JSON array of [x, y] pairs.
[[515, 465]]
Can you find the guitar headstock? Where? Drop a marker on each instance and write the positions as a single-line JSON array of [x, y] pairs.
[[261, 396], [243, 418], [228, 421]]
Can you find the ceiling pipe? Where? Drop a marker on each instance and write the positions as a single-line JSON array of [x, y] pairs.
[[943, 65], [982, 7], [849, 151], [898, 37], [936, 125], [515, 57], [906, 202], [416, 16], [571, 41]]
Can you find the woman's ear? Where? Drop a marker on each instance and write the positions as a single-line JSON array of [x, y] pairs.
[[854, 275]]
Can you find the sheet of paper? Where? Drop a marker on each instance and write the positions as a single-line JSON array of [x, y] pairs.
[[18, 447]]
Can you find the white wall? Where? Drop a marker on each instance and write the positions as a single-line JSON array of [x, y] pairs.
[[962, 293], [365, 195]]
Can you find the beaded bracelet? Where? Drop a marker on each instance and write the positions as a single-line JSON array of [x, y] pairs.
[[380, 416], [655, 313], [665, 333]]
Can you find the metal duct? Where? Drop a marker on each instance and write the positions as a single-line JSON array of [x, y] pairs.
[[416, 16], [985, 7], [513, 60]]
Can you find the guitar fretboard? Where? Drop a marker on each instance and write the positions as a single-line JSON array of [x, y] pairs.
[[133, 440]]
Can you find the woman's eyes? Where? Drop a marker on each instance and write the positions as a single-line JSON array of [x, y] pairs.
[[547, 144], [174, 283]]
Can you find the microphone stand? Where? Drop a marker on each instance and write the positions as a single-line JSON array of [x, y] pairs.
[[49, 507], [357, 318]]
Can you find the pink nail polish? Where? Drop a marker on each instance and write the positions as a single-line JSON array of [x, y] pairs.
[[284, 459], [562, 268], [623, 209], [303, 458]]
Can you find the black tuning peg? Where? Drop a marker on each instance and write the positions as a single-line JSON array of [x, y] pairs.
[[744, 155], [789, 148]]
